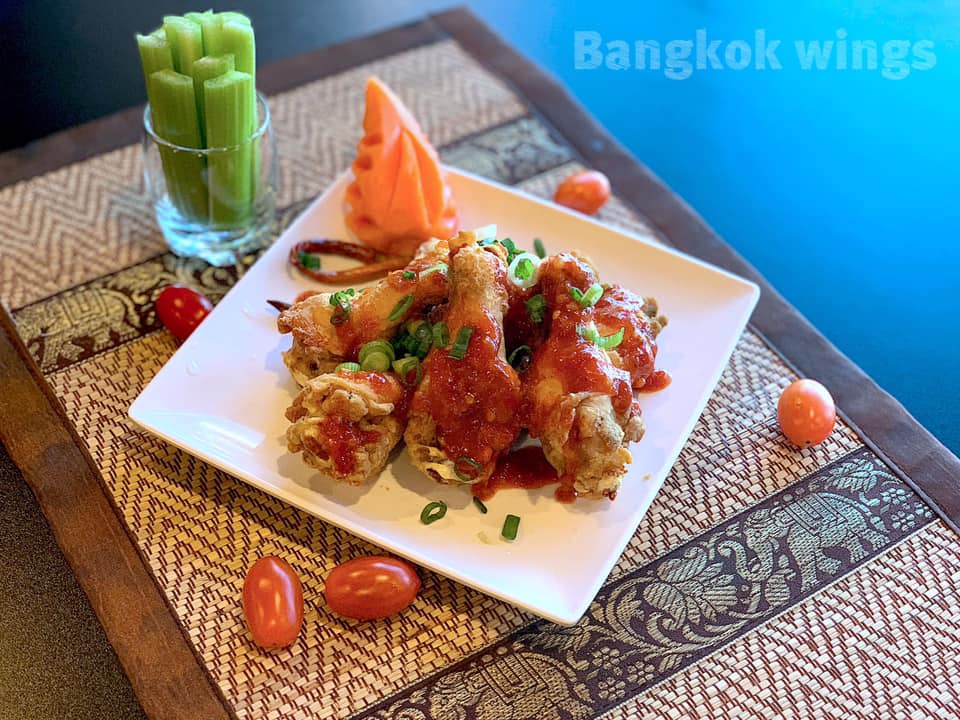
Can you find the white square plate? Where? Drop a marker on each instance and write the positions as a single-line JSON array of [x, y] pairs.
[[223, 394]]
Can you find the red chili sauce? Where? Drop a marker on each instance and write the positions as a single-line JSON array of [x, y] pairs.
[[340, 440], [474, 401], [527, 468]]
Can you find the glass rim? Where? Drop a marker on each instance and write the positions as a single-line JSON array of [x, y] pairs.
[[256, 135]]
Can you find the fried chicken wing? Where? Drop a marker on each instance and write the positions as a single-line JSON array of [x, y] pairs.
[[579, 403], [346, 424], [465, 413], [638, 317], [324, 335]]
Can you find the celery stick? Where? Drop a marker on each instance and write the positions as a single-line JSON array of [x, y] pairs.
[[209, 23], [174, 114], [238, 39], [186, 41], [229, 104], [154, 55], [231, 16], [207, 68]]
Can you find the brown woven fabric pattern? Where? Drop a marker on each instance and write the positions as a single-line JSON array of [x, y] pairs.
[[877, 644], [87, 318]]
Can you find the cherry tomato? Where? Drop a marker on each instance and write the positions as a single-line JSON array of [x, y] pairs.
[[273, 602], [370, 588], [585, 191], [806, 413], [181, 309]]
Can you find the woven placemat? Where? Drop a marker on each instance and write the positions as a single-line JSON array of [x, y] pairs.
[[764, 581]]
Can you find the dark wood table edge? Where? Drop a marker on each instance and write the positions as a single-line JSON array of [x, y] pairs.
[[169, 679], [882, 422]]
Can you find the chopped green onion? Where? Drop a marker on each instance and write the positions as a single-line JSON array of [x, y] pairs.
[[611, 341], [422, 331], [401, 308], [588, 333], [441, 335], [348, 367], [487, 241], [520, 358], [470, 473], [433, 512], [376, 361], [434, 268], [589, 298], [592, 295], [511, 524], [480, 506], [409, 274], [408, 365], [376, 346], [539, 249], [310, 261], [341, 301], [536, 307], [459, 349], [522, 270], [511, 247]]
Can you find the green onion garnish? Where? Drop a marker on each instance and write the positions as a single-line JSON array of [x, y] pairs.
[[341, 301], [409, 275], [433, 512], [480, 506], [376, 346], [539, 249], [348, 367], [520, 358], [536, 307], [441, 335], [434, 268], [589, 298], [511, 249], [511, 523], [459, 349], [588, 333], [377, 361], [524, 269], [407, 365], [309, 260], [401, 308], [467, 469], [611, 341]]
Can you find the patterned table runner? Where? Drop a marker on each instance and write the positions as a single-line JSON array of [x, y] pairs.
[[764, 581]]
